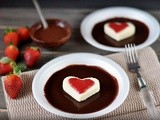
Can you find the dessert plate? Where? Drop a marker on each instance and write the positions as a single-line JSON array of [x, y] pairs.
[[125, 12], [90, 59]]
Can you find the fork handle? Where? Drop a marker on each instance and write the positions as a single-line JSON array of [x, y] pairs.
[[148, 101], [141, 81]]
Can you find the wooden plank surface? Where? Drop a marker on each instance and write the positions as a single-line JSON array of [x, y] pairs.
[[146, 4], [20, 17]]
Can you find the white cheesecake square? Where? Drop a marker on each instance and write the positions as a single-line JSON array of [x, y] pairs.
[[119, 31], [81, 89]]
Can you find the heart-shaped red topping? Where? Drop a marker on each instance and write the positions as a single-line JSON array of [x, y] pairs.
[[81, 85], [118, 26]]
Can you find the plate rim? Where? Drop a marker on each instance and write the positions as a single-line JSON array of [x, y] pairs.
[[94, 43], [74, 115]]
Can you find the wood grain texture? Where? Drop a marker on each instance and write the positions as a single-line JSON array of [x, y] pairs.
[[14, 18], [3, 115], [146, 4]]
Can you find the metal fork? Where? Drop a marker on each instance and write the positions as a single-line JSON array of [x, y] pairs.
[[145, 94]]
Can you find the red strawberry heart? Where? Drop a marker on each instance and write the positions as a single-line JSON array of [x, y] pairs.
[[117, 27], [81, 85]]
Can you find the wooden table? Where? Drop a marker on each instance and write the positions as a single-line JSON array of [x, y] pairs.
[[14, 18]]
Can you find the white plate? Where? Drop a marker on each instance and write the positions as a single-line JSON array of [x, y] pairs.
[[59, 63], [111, 12]]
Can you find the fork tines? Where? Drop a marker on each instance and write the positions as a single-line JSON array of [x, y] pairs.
[[131, 53]]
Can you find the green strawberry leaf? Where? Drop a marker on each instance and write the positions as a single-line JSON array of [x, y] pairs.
[[16, 70], [6, 60], [19, 68], [7, 30]]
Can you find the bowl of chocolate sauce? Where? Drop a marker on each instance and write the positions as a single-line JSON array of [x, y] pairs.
[[48, 92], [57, 33], [147, 28]]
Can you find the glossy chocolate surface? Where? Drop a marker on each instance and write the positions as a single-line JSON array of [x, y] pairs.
[[60, 99], [139, 37], [57, 33]]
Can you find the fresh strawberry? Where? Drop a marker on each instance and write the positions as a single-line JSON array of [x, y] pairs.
[[6, 65], [5, 68], [23, 33], [32, 56], [11, 37], [13, 85], [12, 52]]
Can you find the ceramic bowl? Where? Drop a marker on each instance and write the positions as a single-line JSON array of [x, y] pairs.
[[59, 34], [120, 11], [90, 59]]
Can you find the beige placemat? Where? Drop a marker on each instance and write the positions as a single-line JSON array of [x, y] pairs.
[[26, 108]]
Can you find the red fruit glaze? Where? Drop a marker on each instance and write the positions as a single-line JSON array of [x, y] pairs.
[[81, 85], [117, 27]]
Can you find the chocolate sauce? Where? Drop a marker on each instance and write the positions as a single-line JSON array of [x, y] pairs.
[[61, 100], [52, 34], [139, 37], [57, 33]]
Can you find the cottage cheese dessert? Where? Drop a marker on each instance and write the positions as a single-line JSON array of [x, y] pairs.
[[81, 89], [119, 30]]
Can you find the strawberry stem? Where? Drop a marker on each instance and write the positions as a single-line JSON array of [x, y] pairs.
[[13, 64], [34, 48]]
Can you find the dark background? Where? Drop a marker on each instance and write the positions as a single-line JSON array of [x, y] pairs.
[[142, 4]]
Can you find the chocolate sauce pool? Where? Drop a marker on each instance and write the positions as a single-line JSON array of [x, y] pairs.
[[139, 37], [52, 34], [58, 98]]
